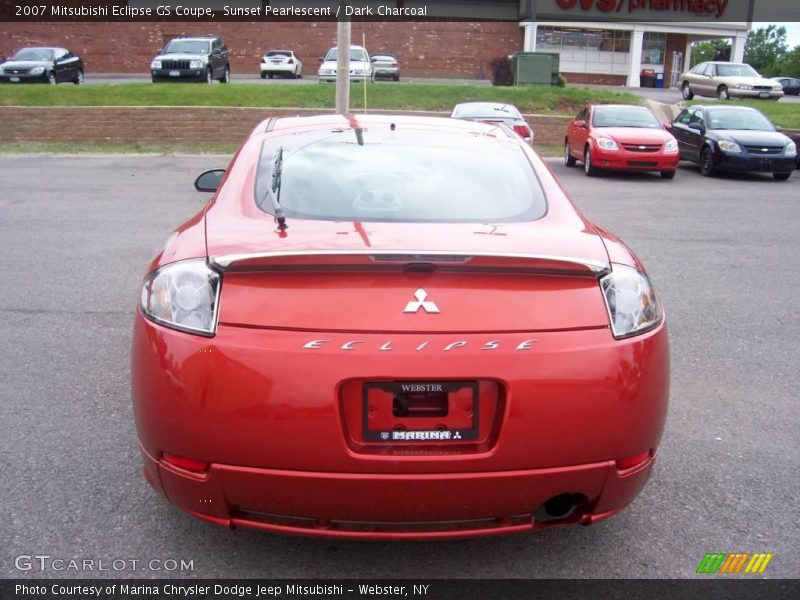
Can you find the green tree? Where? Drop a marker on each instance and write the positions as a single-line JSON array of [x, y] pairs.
[[710, 50], [790, 65], [765, 49]]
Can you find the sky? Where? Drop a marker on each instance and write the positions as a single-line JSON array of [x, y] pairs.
[[792, 32]]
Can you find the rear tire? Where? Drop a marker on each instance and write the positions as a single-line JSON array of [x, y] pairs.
[[397, 77], [263, 76], [270, 75], [782, 176], [722, 93], [569, 160], [687, 91], [226, 75], [78, 77], [588, 167], [667, 174], [706, 162]]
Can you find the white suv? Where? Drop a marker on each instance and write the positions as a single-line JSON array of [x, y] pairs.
[[360, 66]]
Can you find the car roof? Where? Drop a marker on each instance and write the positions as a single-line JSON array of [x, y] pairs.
[[720, 107], [201, 38]]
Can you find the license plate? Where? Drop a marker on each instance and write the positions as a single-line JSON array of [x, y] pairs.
[[432, 412], [764, 95], [174, 73], [14, 79]]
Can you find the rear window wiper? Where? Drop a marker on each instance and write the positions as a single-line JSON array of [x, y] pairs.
[[274, 189]]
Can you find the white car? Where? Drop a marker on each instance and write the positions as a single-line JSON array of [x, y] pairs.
[[360, 66], [281, 62]]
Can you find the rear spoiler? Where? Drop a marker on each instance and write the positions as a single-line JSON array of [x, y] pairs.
[[403, 260]]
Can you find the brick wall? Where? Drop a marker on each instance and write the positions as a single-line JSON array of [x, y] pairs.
[[154, 124], [595, 78], [424, 49]]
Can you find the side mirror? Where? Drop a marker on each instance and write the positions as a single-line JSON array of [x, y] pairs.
[[697, 127], [778, 128], [667, 126], [321, 59], [581, 124], [209, 180]]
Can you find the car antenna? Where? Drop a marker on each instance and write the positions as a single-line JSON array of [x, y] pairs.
[[274, 190]]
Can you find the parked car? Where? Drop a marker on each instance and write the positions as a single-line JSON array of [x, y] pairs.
[[281, 62], [621, 138], [201, 59], [733, 138], [795, 137], [495, 112], [790, 85], [42, 65], [724, 80], [360, 65], [330, 348], [385, 64]]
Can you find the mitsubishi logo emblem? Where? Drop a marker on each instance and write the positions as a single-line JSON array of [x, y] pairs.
[[642, 147], [421, 302]]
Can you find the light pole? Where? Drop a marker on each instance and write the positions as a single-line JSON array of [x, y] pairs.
[[343, 64]]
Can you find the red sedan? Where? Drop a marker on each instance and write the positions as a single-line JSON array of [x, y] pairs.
[[396, 327], [620, 138]]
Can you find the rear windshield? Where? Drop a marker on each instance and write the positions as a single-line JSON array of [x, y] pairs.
[[384, 57], [404, 175], [624, 116], [279, 53], [487, 110], [738, 119], [187, 47]]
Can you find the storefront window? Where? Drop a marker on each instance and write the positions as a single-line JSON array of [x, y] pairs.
[[653, 47], [586, 50]]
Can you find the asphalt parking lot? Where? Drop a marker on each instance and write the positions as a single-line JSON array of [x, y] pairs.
[[78, 233]]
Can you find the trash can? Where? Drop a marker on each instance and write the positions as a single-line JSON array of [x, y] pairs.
[[647, 78], [659, 80]]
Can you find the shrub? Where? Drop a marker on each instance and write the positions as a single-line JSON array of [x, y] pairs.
[[501, 71]]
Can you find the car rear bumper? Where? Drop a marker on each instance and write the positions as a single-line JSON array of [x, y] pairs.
[[271, 69], [623, 160], [386, 71], [395, 506], [178, 74], [281, 426]]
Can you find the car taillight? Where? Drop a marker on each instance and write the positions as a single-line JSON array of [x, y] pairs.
[[631, 461], [394, 64], [185, 463], [522, 130], [290, 62]]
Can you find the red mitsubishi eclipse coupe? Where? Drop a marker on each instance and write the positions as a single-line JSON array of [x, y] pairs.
[[396, 327], [621, 138]]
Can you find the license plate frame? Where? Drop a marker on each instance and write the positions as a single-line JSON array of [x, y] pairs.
[[14, 79], [174, 73], [763, 95], [404, 431]]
